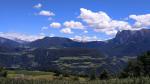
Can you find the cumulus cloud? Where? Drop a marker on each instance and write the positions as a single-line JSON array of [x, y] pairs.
[[101, 22], [141, 20], [66, 31], [73, 25], [18, 36], [46, 13], [37, 6], [55, 25], [85, 38], [112, 32]]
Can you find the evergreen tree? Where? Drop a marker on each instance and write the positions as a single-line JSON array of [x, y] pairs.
[[145, 59], [138, 67], [92, 74]]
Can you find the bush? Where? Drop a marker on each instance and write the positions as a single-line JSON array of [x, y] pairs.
[[104, 75], [57, 74], [75, 78], [3, 73], [65, 75], [123, 74]]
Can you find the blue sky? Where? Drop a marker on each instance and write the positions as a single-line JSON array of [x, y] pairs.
[[86, 19]]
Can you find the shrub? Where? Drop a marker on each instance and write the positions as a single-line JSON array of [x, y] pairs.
[[104, 75]]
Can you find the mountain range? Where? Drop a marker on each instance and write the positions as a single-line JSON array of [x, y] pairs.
[[126, 43], [72, 56]]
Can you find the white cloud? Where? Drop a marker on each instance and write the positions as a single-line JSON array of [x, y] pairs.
[[94, 17], [112, 32], [85, 31], [44, 28], [24, 37], [85, 38], [141, 20], [46, 13], [77, 38], [101, 22], [52, 35], [73, 25], [55, 25], [39, 5], [66, 31], [42, 34]]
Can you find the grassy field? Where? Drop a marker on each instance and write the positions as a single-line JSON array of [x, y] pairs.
[[38, 77], [23, 74]]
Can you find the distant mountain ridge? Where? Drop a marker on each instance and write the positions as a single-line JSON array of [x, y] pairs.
[[126, 43], [8, 43], [51, 42]]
